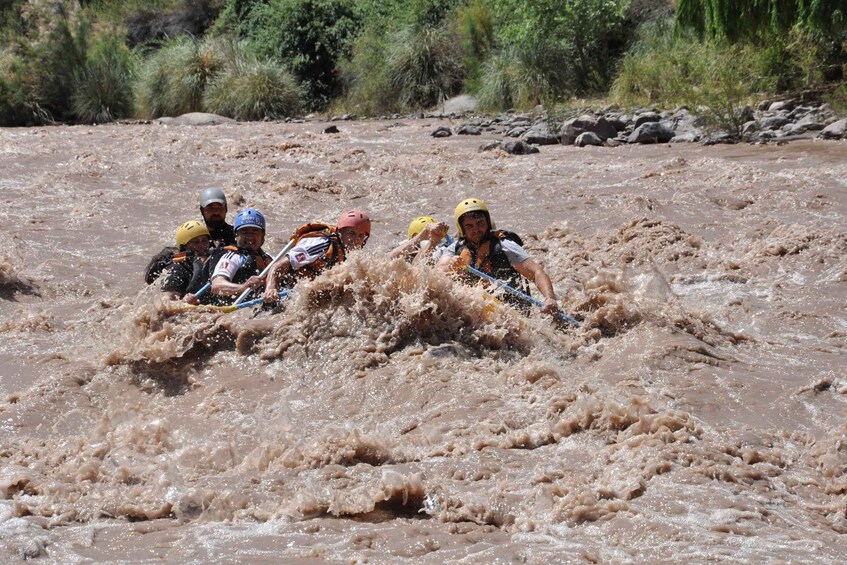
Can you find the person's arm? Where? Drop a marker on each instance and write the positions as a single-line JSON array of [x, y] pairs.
[[533, 270], [433, 233], [279, 270], [224, 287], [225, 271]]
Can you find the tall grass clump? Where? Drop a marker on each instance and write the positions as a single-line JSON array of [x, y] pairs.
[[476, 30], [408, 60], [424, 66], [368, 89], [522, 77], [57, 59], [19, 105], [666, 69], [309, 37], [250, 89], [173, 79], [549, 50], [103, 88]]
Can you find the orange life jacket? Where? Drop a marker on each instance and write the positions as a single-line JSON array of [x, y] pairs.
[[333, 255]]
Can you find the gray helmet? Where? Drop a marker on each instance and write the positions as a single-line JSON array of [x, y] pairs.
[[212, 195]]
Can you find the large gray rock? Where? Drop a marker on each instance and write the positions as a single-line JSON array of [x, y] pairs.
[[468, 129], [518, 147], [810, 122], [837, 130], [784, 106], [572, 129], [517, 131], [647, 118], [588, 138], [459, 104], [541, 134], [651, 132], [195, 119], [773, 122]]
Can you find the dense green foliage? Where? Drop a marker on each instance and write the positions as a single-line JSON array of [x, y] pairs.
[[308, 36], [752, 19], [93, 61]]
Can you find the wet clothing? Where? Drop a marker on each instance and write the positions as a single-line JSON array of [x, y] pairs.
[[185, 275], [221, 234], [495, 256], [313, 254], [161, 261], [235, 264]]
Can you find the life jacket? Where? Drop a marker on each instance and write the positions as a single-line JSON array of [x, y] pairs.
[[221, 235], [333, 255], [186, 274], [255, 262], [490, 258], [161, 261]]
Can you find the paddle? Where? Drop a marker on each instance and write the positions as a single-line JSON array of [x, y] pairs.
[[520, 294], [230, 307], [267, 270]]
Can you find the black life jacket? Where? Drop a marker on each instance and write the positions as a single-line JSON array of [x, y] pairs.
[[221, 235], [197, 266], [161, 261], [490, 258]]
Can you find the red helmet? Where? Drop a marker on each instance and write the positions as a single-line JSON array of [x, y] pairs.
[[354, 219]]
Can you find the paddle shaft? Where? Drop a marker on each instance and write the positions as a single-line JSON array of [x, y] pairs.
[[265, 272], [516, 292]]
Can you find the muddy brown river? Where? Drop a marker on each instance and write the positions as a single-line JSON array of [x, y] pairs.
[[697, 414]]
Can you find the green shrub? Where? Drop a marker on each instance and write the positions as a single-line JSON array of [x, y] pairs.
[[584, 37], [173, 79], [411, 64], [253, 90], [103, 88], [424, 65], [476, 29], [667, 69], [367, 84], [522, 77], [308, 36], [18, 104], [56, 61]]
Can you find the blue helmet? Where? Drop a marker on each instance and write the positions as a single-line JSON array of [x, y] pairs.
[[249, 218]]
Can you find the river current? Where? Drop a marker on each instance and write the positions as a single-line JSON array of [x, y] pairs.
[[388, 412]]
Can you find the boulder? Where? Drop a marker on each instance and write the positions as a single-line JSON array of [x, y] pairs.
[[647, 117], [774, 122], [617, 121], [517, 131], [651, 132], [490, 146], [836, 130], [459, 104], [540, 134], [331, 129], [588, 138], [468, 129], [195, 119], [783, 106], [518, 147], [572, 129], [810, 122], [442, 132]]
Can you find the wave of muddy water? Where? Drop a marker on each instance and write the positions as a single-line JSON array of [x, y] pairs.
[[698, 413]]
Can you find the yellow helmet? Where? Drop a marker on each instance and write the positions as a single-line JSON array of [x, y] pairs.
[[190, 230], [418, 224], [471, 205]]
